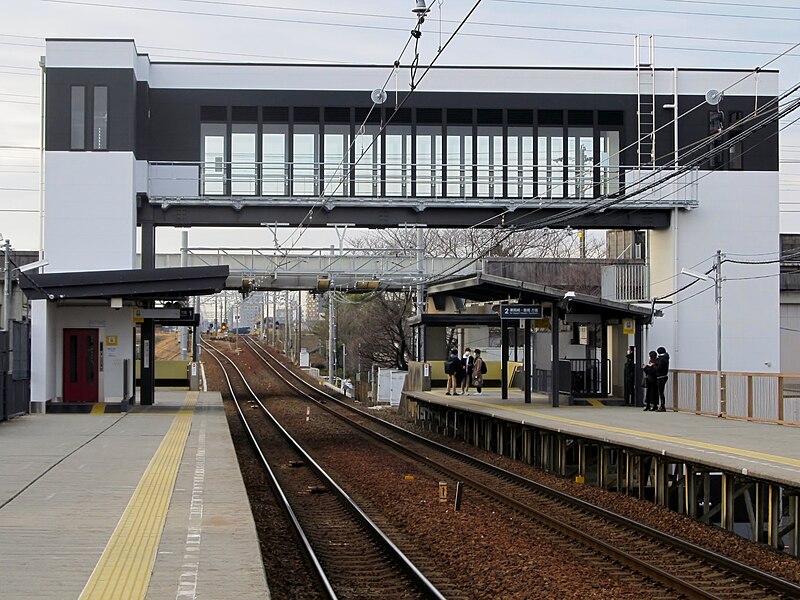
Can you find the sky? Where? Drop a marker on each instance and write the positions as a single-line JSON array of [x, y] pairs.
[[688, 33]]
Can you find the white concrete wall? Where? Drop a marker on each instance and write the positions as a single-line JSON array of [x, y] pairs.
[[108, 322], [43, 342], [453, 79], [90, 211], [738, 215]]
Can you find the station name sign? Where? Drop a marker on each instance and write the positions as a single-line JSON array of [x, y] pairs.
[[521, 311]]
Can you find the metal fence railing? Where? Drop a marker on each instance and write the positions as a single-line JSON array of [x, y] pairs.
[[766, 397]]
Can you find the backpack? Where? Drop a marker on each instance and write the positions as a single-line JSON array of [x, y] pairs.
[[483, 367], [450, 365]]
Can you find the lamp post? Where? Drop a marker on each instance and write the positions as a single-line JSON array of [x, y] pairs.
[[721, 396]]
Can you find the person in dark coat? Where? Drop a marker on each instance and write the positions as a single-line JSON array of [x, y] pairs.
[[651, 382], [630, 378], [467, 362], [662, 372], [451, 367]]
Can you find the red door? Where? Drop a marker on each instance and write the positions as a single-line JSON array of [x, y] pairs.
[[81, 367]]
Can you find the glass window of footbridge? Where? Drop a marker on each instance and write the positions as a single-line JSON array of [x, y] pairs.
[[336, 167], [368, 167], [459, 162], [100, 118], [489, 162], [77, 117], [274, 162], [520, 162], [305, 160], [551, 162], [243, 159], [429, 161], [398, 160], [580, 157], [609, 163], [212, 177]]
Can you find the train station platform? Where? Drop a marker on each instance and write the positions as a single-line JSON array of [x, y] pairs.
[[145, 504], [757, 450]]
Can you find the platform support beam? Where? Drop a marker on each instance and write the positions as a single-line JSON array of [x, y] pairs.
[[773, 514], [504, 359], [690, 489], [728, 498], [661, 482], [706, 496], [794, 511]]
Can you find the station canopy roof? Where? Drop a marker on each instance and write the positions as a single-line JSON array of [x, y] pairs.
[[129, 284], [482, 287]]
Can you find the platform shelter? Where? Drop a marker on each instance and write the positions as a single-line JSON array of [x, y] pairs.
[[574, 345]]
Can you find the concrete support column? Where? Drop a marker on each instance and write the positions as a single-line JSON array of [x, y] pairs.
[[727, 501], [554, 379], [773, 514], [148, 363], [528, 362], [504, 360], [602, 476], [794, 511], [661, 482], [758, 513], [690, 491]]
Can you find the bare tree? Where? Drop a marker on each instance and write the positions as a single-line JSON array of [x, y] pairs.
[[376, 325], [476, 243]]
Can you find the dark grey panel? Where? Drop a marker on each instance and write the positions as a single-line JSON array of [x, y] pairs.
[[175, 121], [122, 95], [389, 216]]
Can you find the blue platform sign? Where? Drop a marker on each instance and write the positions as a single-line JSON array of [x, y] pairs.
[[520, 311]]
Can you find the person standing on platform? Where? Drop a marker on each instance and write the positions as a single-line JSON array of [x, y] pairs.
[[662, 372], [630, 378], [478, 371], [651, 382], [451, 366], [467, 363]]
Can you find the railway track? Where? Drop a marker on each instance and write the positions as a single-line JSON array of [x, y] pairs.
[[677, 566], [350, 556]]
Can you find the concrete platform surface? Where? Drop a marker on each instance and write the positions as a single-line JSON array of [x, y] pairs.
[[146, 504], [761, 450]]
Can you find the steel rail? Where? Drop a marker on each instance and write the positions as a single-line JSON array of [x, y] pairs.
[[745, 571], [384, 541], [308, 550]]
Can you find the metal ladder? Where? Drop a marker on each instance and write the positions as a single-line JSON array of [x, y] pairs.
[[646, 99]]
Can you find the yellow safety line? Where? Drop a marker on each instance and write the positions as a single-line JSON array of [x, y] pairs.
[[99, 408], [784, 460], [124, 569], [595, 402]]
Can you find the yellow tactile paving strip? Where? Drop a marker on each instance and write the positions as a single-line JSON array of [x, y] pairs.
[[783, 460], [123, 570]]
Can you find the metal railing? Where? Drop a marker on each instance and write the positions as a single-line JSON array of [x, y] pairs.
[[558, 183], [765, 397], [625, 282]]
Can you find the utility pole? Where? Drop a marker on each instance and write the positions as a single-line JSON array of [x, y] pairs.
[[721, 395], [286, 329], [420, 292], [331, 338], [299, 334], [184, 263]]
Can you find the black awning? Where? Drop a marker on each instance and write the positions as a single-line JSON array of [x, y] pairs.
[[492, 288], [129, 284]]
